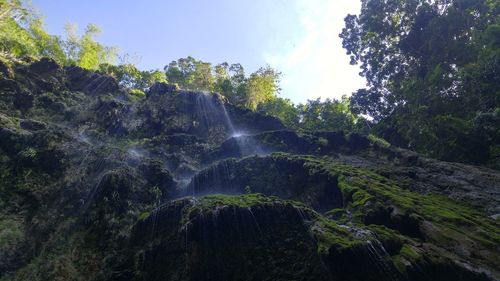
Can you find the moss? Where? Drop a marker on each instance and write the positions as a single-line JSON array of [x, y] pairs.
[[399, 263], [432, 207], [409, 253], [214, 201], [52, 204], [28, 153], [384, 233], [361, 197], [336, 214], [457, 219], [137, 92], [329, 234], [379, 141], [144, 215]]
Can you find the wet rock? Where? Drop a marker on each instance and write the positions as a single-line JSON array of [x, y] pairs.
[[92, 83], [32, 125], [44, 66], [12, 140], [227, 241], [24, 100], [160, 88], [391, 217], [251, 122], [278, 176], [84, 168], [6, 70], [357, 141], [158, 176]]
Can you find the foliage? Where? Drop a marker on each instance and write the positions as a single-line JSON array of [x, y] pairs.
[[431, 67], [316, 115], [84, 51], [229, 80], [283, 109], [261, 86], [130, 77], [259, 91], [330, 115], [22, 33]]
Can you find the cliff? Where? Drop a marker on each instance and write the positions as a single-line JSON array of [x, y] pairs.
[[98, 183]]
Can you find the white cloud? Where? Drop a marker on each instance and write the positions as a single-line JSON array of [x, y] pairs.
[[315, 64]]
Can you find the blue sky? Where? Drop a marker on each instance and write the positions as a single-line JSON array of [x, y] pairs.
[[298, 37]]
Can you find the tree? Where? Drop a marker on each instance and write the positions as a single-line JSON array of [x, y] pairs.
[[329, 115], [229, 80], [399, 40], [283, 109], [22, 33], [426, 61], [201, 79], [47, 45], [130, 77], [190, 73], [84, 51], [261, 86]]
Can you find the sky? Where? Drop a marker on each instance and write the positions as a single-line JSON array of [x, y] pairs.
[[297, 37]]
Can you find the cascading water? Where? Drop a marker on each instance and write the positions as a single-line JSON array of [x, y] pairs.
[[212, 113], [211, 110], [380, 257], [247, 145], [375, 251], [218, 175]]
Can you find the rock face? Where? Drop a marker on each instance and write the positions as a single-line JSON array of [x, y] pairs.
[[99, 184]]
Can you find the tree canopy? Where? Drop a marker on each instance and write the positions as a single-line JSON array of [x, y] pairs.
[[432, 69], [22, 34], [227, 79]]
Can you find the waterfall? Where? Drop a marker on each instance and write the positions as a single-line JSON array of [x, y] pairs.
[[228, 120], [216, 178], [211, 110], [247, 145]]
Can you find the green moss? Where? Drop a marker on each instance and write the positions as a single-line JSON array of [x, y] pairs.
[[137, 92], [361, 197], [143, 215], [384, 233], [28, 153], [379, 141], [362, 186], [410, 254], [336, 214], [399, 263], [329, 234], [213, 201]]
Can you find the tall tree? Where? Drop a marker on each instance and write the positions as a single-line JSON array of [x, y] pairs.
[[84, 51], [190, 73], [22, 33], [283, 109], [261, 86], [427, 61]]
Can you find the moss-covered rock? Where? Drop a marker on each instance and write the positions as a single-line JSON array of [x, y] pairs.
[[89, 176], [248, 237], [278, 176]]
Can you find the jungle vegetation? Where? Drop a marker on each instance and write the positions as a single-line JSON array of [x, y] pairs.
[[432, 69]]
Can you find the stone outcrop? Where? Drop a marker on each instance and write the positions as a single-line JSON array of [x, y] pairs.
[[98, 184]]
